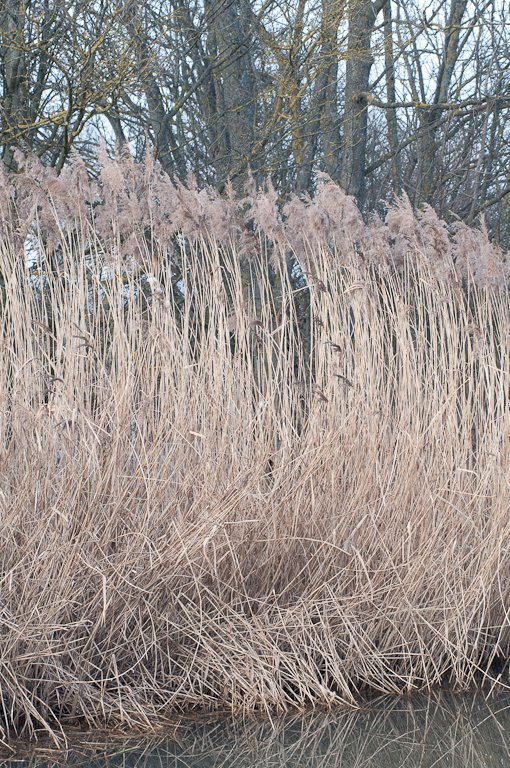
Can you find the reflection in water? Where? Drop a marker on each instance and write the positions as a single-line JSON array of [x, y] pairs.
[[439, 730]]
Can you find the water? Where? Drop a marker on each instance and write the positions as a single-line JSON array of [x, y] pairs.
[[467, 731]]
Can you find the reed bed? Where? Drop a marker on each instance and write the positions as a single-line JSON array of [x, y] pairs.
[[250, 462]]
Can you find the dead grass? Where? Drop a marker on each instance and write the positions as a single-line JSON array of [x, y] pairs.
[[213, 498]]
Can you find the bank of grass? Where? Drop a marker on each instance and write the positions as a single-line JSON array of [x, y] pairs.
[[228, 487]]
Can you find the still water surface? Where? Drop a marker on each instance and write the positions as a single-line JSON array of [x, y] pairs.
[[464, 731]]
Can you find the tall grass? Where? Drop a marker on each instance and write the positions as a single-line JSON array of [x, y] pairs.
[[247, 472]]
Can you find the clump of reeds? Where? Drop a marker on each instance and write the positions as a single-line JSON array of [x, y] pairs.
[[251, 458]]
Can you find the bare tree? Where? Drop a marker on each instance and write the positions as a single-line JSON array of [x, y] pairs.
[[384, 95], [59, 68]]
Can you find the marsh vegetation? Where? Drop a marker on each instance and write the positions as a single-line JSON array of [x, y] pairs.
[[252, 458]]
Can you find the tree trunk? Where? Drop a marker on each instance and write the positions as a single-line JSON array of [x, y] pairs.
[[362, 16], [430, 116], [235, 88], [15, 100], [322, 125], [391, 96]]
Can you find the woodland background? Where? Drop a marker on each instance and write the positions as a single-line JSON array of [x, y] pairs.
[[385, 97]]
